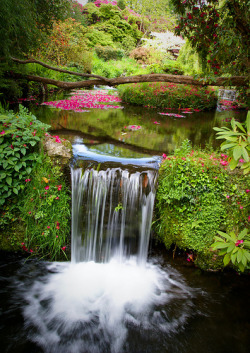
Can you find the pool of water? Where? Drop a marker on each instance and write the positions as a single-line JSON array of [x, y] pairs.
[[166, 306], [108, 131]]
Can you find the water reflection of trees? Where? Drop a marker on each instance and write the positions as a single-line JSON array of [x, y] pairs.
[[108, 126]]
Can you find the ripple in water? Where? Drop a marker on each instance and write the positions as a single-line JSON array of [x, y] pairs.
[[90, 307]]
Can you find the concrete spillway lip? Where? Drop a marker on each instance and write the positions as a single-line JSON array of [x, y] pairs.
[[81, 152]]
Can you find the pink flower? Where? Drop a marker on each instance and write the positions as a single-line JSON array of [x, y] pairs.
[[164, 156], [63, 248], [248, 218], [29, 212], [2, 132], [11, 146], [59, 187], [227, 196], [30, 123], [238, 242], [48, 227], [156, 122], [241, 207], [57, 198], [27, 180], [46, 187], [241, 160], [247, 190]]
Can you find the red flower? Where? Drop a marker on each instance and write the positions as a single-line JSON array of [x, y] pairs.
[[63, 248], [46, 187]]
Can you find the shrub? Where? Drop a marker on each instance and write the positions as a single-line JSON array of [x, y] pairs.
[[168, 95], [100, 38], [109, 53], [45, 211], [19, 142], [196, 198]]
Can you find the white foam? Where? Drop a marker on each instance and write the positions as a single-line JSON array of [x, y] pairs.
[[84, 306]]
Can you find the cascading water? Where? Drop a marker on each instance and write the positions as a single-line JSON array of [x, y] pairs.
[[117, 214], [109, 298]]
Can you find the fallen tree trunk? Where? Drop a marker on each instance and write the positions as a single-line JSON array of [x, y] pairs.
[[236, 81], [99, 80]]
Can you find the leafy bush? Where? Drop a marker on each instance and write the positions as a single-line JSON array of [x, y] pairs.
[[100, 38], [197, 198], [237, 143], [234, 248], [172, 67], [19, 142], [109, 53], [115, 68], [45, 211], [168, 95]]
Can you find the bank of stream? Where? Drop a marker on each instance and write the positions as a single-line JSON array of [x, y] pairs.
[[109, 298]]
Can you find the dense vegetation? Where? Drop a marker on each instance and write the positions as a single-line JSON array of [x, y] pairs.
[[197, 198], [35, 203]]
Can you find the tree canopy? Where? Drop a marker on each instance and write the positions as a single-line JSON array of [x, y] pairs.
[[218, 30], [23, 22]]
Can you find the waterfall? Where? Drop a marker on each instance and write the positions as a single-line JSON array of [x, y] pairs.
[[111, 214]]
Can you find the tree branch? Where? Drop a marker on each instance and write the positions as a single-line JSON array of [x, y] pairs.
[[178, 79], [34, 61]]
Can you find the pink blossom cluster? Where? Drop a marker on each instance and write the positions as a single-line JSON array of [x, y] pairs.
[[86, 100], [238, 242]]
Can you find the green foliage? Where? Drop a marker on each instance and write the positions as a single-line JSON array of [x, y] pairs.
[[114, 68], [172, 67], [109, 53], [45, 211], [19, 141], [189, 60], [237, 143], [21, 23], [121, 4], [234, 248], [98, 38], [197, 198], [218, 31], [66, 44], [168, 95]]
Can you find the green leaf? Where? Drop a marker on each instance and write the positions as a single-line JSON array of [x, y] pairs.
[[15, 191], [222, 252], [233, 258], [233, 164], [244, 260], [228, 145], [237, 152], [242, 234], [9, 180], [23, 150], [231, 247], [241, 267], [245, 154], [226, 259], [246, 254], [239, 255]]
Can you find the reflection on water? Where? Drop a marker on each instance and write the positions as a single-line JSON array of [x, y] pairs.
[[109, 126]]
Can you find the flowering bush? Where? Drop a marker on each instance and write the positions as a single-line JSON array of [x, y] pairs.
[[20, 134], [45, 212], [168, 95]]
